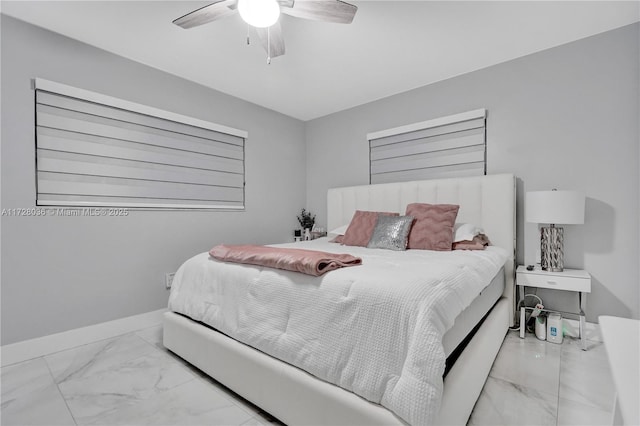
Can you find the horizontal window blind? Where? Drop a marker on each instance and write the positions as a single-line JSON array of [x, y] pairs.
[[95, 150], [452, 146]]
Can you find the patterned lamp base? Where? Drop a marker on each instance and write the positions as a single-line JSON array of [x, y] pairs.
[[552, 248]]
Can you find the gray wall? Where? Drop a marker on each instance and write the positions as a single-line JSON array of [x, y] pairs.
[[563, 118], [60, 273]]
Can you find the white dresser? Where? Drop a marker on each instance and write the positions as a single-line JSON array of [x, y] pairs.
[[622, 342]]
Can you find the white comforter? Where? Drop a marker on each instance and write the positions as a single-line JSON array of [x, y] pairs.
[[374, 329]]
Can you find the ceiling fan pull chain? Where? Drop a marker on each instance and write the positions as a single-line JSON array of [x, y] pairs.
[[248, 38], [268, 45]]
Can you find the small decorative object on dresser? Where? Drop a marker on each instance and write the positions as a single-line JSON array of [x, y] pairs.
[[306, 220], [554, 207]]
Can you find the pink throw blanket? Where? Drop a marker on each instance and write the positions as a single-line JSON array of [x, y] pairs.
[[310, 262]]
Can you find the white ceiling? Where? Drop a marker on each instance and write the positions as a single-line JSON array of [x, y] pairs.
[[391, 46]]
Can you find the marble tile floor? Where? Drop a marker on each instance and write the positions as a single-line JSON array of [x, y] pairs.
[[134, 380], [534, 382]]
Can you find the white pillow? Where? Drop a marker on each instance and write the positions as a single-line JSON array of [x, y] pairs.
[[340, 230], [465, 232]]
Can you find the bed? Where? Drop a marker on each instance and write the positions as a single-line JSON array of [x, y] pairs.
[[269, 375]]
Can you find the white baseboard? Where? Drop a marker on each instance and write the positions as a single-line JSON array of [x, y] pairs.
[[34, 348]]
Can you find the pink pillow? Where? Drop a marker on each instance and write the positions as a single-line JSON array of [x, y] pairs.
[[361, 228], [433, 227]]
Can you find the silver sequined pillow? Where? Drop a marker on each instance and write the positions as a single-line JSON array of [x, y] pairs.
[[391, 232]]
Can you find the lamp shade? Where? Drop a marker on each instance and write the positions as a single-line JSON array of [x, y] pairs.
[[555, 207]]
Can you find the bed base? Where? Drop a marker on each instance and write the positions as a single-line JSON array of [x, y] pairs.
[[298, 398]]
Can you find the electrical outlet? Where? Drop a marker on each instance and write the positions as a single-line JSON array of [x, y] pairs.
[[168, 279]]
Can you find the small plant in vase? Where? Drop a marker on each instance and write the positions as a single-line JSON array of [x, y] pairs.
[[306, 220]]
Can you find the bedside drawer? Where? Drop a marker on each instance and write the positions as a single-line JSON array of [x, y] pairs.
[[554, 281]]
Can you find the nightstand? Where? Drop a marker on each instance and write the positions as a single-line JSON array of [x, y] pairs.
[[568, 280]]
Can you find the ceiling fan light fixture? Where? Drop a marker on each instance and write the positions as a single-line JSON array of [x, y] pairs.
[[259, 13]]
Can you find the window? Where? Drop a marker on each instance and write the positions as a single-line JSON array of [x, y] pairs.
[[95, 150], [452, 146]]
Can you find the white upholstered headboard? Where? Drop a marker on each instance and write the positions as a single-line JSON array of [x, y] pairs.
[[486, 201]]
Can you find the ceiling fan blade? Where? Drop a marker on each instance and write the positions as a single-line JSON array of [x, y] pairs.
[[322, 10], [206, 14], [274, 36]]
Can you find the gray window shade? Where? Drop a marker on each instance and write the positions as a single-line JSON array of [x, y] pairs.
[[451, 146], [94, 150]]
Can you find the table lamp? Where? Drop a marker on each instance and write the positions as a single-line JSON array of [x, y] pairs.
[[554, 207]]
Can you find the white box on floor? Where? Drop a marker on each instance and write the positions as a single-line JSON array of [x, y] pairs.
[[541, 328], [554, 328]]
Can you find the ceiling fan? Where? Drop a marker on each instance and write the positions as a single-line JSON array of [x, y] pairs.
[[263, 16]]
